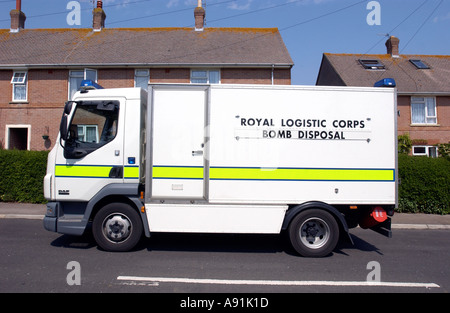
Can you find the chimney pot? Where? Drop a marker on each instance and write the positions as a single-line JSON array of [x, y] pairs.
[[98, 17], [392, 45]]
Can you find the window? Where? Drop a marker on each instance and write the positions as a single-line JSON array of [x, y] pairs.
[[372, 64], [88, 133], [423, 110], [429, 151], [94, 124], [141, 78], [75, 78], [19, 82], [419, 64], [205, 77]]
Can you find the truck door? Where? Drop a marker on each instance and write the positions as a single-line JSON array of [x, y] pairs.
[[91, 152], [178, 141]]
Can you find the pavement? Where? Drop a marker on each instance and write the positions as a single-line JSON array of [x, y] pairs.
[[399, 220]]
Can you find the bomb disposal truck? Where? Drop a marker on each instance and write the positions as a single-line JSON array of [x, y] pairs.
[[311, 161]]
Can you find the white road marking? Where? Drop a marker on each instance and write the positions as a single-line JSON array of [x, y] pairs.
[[274, 282]]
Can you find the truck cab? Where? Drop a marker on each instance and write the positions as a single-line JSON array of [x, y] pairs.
[[97, 156]]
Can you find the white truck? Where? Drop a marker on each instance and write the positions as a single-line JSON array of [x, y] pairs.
[[311, 161]]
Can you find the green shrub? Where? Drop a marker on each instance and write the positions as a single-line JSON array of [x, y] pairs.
[[424, 182], [404, 143], [424, 185], [21, 175], [444, 150]]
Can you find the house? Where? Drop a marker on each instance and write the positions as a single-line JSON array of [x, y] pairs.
[[40, 69], [423, 86]]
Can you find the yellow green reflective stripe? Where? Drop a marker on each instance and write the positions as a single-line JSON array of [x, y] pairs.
[[177, 172], [82, 171], [311, 174], [290, 174], [93, 171], [131, 172]]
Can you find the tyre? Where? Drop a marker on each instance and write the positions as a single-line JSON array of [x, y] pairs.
[[117, 227], [314, 233]]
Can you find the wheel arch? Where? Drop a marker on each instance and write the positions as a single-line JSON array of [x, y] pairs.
[[117, 193], [296, 209]]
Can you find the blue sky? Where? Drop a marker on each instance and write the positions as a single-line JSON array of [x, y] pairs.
[[308, 27]]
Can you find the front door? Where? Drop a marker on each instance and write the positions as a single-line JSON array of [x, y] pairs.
[[179, 121]]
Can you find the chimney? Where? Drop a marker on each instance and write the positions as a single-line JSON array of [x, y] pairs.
[[199, 15], [17, 18], [99, 17], [392, 46]]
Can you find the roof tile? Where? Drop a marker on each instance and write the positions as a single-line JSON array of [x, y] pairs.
[[171, 46], [407, 76]]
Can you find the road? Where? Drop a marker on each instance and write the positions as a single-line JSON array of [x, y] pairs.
[[34, 260]]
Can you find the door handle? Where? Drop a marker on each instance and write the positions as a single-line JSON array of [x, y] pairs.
[[116, 172], [197, 153]]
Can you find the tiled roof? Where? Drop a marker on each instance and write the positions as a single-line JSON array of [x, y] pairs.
[[408, 77], [143, 46]]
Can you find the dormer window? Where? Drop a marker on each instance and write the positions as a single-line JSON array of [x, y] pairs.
[[372, 64]]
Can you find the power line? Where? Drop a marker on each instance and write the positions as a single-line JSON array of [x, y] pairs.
[[255, 11], [256, 37], [85, 9], [165, 13], [423, 24], [398, 25]]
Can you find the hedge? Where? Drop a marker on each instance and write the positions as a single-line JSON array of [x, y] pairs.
[[424, 182], [424, 185], [21, 175]]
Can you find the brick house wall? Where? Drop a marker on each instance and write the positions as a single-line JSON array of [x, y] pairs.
[[48, 90], [429, 135]]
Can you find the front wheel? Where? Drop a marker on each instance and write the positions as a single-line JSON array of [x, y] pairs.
[[117, 227], [314, 233]]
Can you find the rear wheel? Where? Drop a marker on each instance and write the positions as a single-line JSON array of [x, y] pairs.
[[314, 233], [117, 227]]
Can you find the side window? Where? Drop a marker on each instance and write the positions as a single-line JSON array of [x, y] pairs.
[[94, 124]]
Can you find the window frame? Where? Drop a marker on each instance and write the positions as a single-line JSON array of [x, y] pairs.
[[416, 100], [374, 64], [419, 64], [427, 151], [85, 75], [84, 127], [207, 77], [136, 75], [22, 82]]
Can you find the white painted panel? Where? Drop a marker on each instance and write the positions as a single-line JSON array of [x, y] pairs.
[[215, 218]]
